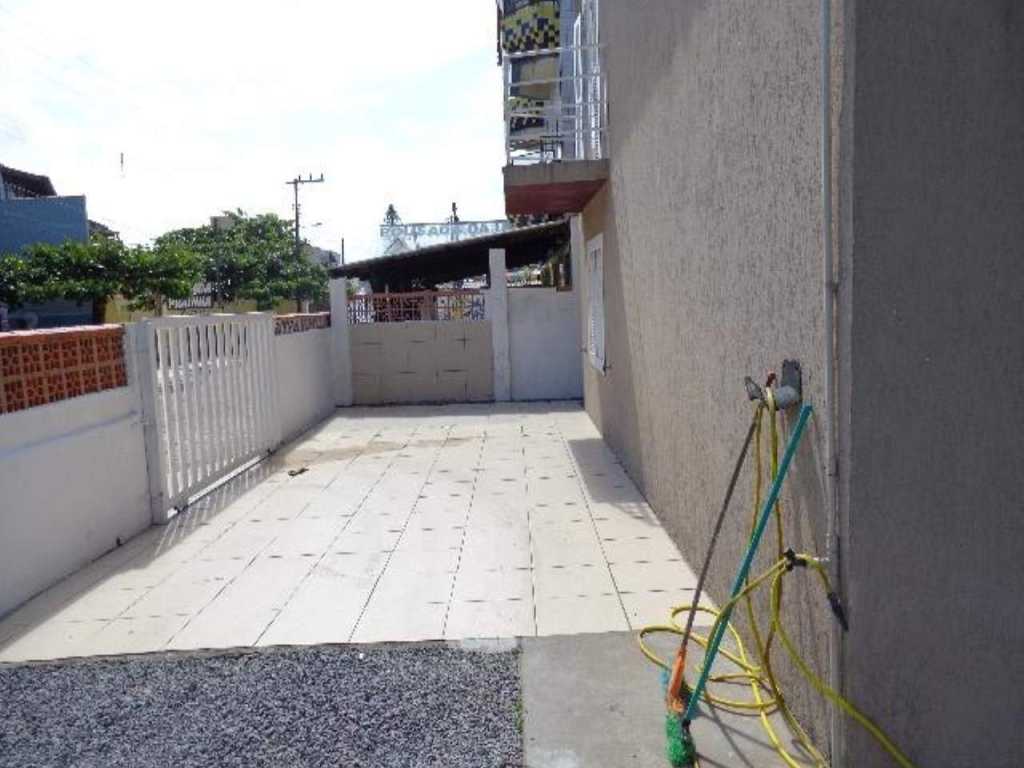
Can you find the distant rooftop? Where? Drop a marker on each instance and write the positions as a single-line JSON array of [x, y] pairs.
[[24, 184]]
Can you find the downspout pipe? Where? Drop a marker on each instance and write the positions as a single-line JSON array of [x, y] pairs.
[[829, 291]]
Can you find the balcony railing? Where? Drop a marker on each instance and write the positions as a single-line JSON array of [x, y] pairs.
[[556, 105], [417, 305]]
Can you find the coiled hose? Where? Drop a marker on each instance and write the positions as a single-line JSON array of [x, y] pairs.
[[766, 695]]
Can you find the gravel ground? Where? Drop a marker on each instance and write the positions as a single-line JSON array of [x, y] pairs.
[[412, 705]]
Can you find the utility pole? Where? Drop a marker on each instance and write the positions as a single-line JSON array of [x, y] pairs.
[[343, 251], [295, 183]]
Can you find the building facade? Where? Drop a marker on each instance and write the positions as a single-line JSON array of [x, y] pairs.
[[713, 242], [32, 212]]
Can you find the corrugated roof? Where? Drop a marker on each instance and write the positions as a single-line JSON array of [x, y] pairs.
[[459, 259], [27, 184]]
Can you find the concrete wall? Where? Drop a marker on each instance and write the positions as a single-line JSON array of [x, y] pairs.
[[711, 224], [72, 481], [544, 344], [934, 395], [305, 394], [417, 362]]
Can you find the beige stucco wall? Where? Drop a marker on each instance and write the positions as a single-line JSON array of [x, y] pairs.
[[934, 540], [711, 224], [712, 227], [422, 362]]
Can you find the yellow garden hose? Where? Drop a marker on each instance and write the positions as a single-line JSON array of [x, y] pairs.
[[766, 695]]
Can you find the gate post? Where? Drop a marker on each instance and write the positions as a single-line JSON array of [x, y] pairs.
[[497, 313], [142, 344], [274, 395], [341, 349]]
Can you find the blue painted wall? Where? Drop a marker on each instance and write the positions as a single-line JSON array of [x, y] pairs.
[[24, 221], [41, 220]]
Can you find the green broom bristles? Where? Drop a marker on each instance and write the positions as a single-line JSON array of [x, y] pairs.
[[679, 746]]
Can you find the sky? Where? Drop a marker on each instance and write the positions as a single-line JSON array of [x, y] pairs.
[[215, 104]]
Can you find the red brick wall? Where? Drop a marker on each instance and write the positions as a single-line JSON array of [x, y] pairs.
[[40, 367]]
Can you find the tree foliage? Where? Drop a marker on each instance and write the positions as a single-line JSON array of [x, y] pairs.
[[12, 279], [251, 257], [162, 272], [239, 257], [95, 271]]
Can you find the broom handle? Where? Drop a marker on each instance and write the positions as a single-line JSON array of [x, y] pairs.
[[718, 529], [692, 708]]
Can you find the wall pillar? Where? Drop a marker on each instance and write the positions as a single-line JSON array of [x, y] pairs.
[[577, 247], [341, 346], [497, 313]]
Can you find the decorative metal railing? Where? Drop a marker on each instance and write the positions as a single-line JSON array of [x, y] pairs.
[[299, 323], [416, 306]]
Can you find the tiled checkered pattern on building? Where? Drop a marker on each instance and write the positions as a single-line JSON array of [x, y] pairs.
[[298, 323], [44, 366], [530, 25]]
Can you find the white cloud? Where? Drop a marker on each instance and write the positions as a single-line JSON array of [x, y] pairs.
[[215, 104]]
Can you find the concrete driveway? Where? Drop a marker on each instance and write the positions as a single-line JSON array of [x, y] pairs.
[[381, 524]]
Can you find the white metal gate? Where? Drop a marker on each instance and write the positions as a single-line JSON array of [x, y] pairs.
[[208, 398]]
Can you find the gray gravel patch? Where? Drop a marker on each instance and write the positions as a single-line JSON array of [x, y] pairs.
[[393, 705]]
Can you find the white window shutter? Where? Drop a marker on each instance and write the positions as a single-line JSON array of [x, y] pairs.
[[595, 269]]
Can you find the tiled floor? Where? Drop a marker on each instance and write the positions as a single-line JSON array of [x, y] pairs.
[[404, 523]]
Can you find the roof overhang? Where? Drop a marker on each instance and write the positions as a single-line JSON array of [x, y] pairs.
[[552, 188], [458, 259]]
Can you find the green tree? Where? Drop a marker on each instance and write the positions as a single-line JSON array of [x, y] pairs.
[[75, 271], [230, 266], [96, 271], [13, 279], [153, 275], [252, 257], [300, 279]]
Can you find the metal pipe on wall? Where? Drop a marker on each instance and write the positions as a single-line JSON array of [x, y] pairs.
[[829, 291]]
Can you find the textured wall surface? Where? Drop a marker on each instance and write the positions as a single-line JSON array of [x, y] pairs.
[[936, 533], [544, 344], [712, 240], [712, 227], [422, 362]]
